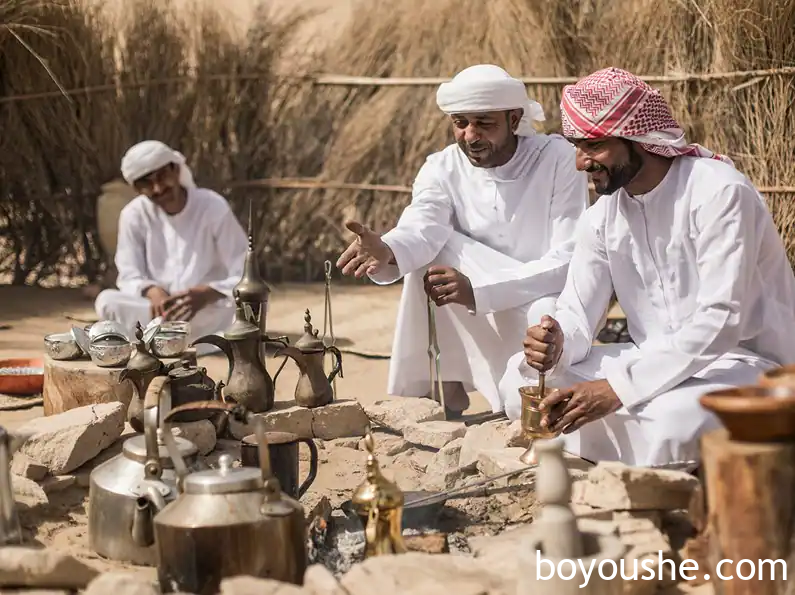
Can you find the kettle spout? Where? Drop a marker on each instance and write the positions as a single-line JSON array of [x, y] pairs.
[[295, 354], [143, 531]]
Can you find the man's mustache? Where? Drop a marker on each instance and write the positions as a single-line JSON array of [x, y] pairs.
[[595, 168]]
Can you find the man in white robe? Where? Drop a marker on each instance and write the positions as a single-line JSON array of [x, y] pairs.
[[697, 265], [180, 248], [488, 236]]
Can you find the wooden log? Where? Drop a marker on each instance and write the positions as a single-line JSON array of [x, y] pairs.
[[71, 384], [750, 493]]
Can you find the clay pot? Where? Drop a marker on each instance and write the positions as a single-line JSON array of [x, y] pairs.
[[754, 413], [782, 376], [27, 377]]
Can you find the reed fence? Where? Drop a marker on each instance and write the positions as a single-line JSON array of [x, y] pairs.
[[259, 119]]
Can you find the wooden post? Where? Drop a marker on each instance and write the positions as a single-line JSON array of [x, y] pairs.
[[750, 492]]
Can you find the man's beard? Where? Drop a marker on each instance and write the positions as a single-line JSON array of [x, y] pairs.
[[620, 175]]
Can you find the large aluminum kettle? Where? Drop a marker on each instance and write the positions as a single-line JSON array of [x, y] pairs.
[[227, 521], [126, 491]]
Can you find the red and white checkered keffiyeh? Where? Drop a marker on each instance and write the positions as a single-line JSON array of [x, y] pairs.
[[614, 102]]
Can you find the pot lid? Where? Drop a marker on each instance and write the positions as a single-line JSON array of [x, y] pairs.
[[309, 341], [224, 480], [135, 449], [241, 328], [142, 360], [183, 370]]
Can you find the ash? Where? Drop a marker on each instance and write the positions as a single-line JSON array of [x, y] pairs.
[[346, 543]]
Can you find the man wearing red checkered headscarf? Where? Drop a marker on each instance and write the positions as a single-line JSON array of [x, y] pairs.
[[690, 249]]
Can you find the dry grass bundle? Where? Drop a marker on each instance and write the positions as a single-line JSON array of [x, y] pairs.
[[271, 126], [384, 134]]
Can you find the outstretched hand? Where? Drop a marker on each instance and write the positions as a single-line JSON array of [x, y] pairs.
[[367, 254]]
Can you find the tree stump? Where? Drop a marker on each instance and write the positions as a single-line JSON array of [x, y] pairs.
[[750, 492], [78, 383]]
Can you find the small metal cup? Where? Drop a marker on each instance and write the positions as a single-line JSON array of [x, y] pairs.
[[532, 415]]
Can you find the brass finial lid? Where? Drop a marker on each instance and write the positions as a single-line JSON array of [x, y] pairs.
[[309, 341], [242, 327], [142, 360], [375, 489], [251, 288]]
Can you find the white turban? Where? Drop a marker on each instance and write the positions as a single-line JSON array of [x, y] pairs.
[[150, 155], [488, 88]]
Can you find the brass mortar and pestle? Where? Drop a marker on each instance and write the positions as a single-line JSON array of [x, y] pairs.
[[532, 416]]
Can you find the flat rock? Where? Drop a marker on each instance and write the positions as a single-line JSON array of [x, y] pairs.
[[340, 419], [447, 458], [65, 441], [442, 472], [394, 414], [42, 569], [501, 460], [58, 483], [22, 465], [121, 583], [318, 580], [615, 486], [247, 585], [487, 436], [284, 417], [28, 491], [201, 433], [433, 434], [421, 574]]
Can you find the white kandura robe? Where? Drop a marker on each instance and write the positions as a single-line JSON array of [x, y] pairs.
[[703, 278], [202, 245], [510, 231]]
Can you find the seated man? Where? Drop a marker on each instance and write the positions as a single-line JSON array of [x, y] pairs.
[[180, 250], [492, 220], [697, 265]]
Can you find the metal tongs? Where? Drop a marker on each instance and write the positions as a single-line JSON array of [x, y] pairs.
[[434, 356], [686, 466]]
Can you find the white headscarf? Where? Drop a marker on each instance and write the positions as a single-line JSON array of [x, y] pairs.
[[150, 155], [488, 88]]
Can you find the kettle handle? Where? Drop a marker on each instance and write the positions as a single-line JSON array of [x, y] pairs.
[[158, 389], [337, 369]]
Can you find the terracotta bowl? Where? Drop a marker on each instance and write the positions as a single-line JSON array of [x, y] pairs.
[[783, 376], [754, 413], [22, 384]]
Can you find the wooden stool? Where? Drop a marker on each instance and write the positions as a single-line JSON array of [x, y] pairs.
[[750, 497], [71, 384]]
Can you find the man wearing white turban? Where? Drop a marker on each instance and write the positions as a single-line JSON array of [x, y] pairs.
[[487, 236], [180, 248]]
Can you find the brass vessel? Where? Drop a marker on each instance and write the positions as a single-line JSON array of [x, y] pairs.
[[142, 368], [248, 383], [252, 290], [531, 420], [532, 415], [379, 503], [314, 387]]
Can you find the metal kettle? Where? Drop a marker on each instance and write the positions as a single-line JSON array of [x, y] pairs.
[[228, 521], [126, 491], [314, 388]]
